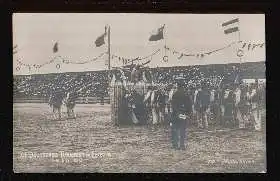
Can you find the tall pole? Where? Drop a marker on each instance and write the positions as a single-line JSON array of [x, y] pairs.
[[164, 39], [109, 64], [109, 49], [240, 59]]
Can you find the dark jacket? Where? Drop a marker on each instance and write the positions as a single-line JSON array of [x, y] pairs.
[[160, 99], [181, 103], [203, 98], [56, 98]]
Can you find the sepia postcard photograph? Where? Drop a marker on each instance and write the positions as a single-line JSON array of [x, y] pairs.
[[139, 93]]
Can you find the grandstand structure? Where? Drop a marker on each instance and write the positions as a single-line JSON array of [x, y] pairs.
[[96, 83]]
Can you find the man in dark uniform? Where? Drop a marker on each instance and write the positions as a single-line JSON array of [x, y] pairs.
[[161, 105], [147, 104], [181, 111], [203, 99], [140, 108], [56, 101], [229, 106]]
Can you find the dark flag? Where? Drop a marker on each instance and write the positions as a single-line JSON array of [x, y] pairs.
[[55, 47], [158, 35], [231, 29], [100, 40]]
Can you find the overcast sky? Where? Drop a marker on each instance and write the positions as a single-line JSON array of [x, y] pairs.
[[35, 35]]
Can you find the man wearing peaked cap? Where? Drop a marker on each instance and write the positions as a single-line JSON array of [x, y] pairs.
[[181, 110]]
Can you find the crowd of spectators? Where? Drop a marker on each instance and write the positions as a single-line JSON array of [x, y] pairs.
[[95, 84]]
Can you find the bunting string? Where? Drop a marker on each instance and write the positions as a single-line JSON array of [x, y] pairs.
[[197, 55], [85, 62], [126, 61], [58, 66], [246, 46]]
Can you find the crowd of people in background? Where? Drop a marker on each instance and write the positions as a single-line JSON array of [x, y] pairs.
[[96, 83], [218, 98]]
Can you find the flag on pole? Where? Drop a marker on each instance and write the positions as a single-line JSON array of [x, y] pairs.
[[100, 40], [55, 47], [228, 29], [158, 35]]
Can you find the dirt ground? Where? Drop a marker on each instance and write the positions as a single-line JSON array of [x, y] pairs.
[[91, 143]]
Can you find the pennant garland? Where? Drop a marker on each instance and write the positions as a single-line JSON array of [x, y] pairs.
[[126, 61], [65, 61], [240, 52], [58, 66], [252, 46]]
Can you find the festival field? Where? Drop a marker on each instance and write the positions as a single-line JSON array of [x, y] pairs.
[[107, 148]]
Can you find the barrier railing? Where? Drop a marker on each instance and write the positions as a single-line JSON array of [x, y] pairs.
[[80, 100]]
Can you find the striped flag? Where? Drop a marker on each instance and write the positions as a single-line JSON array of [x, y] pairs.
[[230, 29]]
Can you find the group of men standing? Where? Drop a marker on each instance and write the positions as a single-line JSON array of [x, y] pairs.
[[60, 96], [235, 105]]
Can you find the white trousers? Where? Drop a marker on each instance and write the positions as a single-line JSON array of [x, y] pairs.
[[155, 116], [257, 117]]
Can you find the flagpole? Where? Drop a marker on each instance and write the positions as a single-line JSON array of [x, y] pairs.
[[240, 59], [164, 29], [109, 48]]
